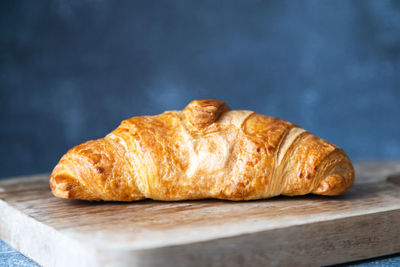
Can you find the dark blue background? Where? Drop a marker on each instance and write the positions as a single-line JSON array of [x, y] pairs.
[[72, 70]]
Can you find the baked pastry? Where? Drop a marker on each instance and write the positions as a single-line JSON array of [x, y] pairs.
[[204, 151]]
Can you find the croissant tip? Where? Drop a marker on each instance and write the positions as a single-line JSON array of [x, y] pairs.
[[61, 185], [335, 184]]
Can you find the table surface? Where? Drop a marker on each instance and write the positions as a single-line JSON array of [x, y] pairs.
[[12, 258]]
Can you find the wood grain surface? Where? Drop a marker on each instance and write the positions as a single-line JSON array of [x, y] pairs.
[[307, 230]]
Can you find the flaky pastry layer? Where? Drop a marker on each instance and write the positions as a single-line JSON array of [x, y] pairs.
[[204, 151]]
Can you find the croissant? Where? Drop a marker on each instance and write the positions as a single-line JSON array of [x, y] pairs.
[[204, 151]]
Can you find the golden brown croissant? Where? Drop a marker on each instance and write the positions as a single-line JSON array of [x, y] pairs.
[[204, 151]]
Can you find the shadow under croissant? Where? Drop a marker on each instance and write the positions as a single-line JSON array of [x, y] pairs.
[[358, 191]]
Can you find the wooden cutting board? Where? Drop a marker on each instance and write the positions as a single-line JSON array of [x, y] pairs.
[[308, 230]]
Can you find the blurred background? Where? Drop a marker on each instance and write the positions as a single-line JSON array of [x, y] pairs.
[[72, 70]]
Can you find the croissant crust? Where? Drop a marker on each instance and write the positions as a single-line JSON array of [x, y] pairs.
[[205, 151]]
